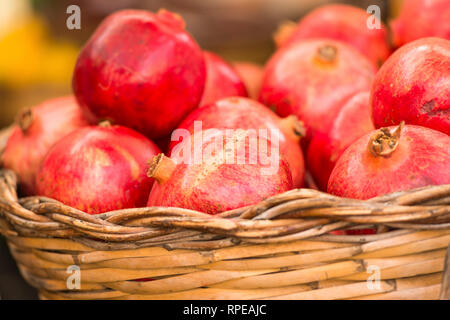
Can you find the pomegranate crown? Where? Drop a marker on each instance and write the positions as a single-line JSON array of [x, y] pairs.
[[383, 142], [25, 119]]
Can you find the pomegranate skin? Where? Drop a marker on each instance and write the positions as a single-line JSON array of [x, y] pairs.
[[221, 80], [342, 23], [414, 86], [421, 19], [141, 70], [36, 131], [244, 113], [312, 78], [420, 159], [211, 185], [98, 169], [252, 75], [352, 122]]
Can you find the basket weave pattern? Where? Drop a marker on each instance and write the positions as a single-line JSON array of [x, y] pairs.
[[278, 249]]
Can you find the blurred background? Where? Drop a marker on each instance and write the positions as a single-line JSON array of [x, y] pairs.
[[38, 52]]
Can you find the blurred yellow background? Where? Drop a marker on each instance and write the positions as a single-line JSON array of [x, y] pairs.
[[38, 51]]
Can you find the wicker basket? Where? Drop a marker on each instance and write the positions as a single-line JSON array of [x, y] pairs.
[[278, 249]]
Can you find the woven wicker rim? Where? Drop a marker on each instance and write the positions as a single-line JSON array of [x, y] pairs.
[[293, 215]]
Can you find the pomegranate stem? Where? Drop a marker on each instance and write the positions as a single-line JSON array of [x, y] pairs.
[[25, 119], [292, 127], [105, 124], [384, 142], [161, 168], [327, 53]]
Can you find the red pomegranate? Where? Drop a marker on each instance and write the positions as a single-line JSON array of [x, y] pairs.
[[414, 86], [252, 75], [141, 70], [243, 113], [219, 170], [221, 80], [344, 23], [392, 159], [36, 131], [421, 19], [312, 78], [98, 169], [351, 122]]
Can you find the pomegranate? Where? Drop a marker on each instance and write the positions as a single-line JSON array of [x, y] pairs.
[[252, 75], [141, 70], [36, 131], [344, 23], [219, 171], [392, 159], [414, 86], [221, 80], [421, 19], [312, 78], [98, 169], [351, 122], [243, 113]]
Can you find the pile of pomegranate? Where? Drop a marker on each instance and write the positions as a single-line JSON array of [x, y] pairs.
[[157, 121]]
